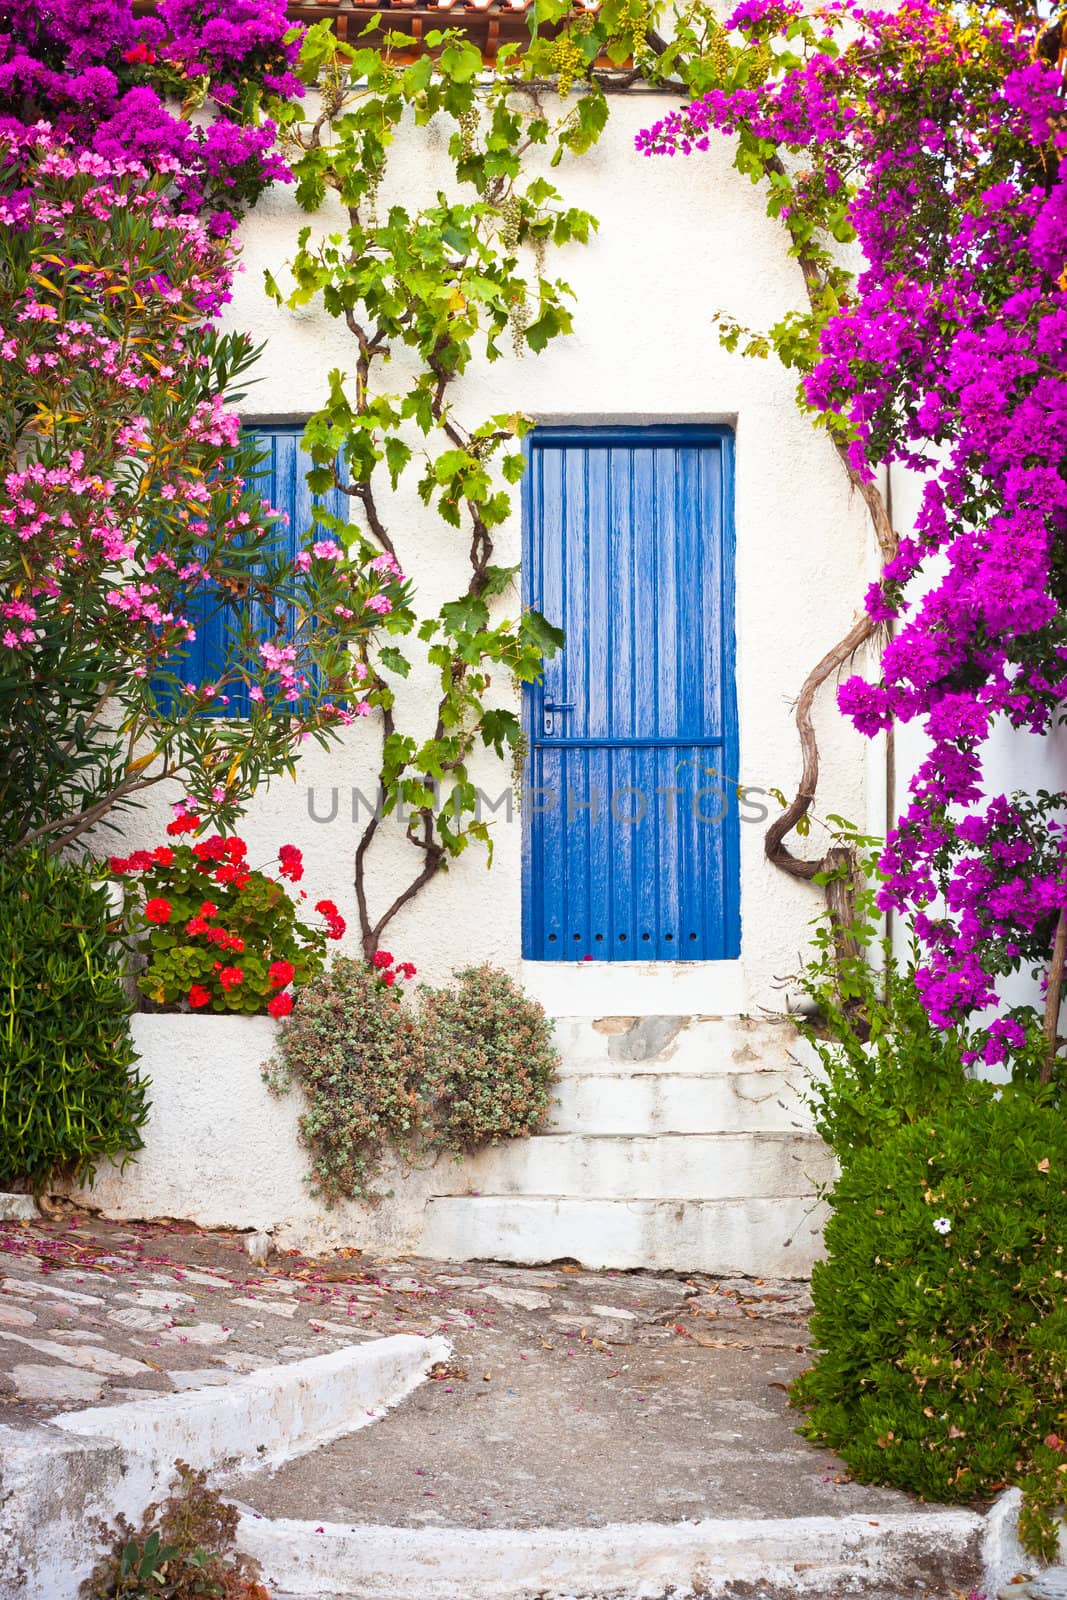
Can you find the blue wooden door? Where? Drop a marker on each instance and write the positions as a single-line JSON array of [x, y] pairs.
[[631, 815]]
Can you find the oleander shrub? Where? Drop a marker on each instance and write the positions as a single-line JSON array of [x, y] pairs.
[[490, 1060], [940, 1314], [183, 1549], [353, 1049], [470, 1065], [70, 1095]]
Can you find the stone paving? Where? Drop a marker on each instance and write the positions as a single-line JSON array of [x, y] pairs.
[[571, 1398], [95, 1312]]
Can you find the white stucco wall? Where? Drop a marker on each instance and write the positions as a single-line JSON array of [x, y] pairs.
[[677, 241]]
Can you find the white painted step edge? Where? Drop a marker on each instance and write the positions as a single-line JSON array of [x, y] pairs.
[[804, 1556], [62, 1479], [269, 1416]]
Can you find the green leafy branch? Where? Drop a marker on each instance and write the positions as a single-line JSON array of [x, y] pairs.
[[426, 290]]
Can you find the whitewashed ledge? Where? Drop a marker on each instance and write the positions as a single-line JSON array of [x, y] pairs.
[[63, 1479], [223, 1152]]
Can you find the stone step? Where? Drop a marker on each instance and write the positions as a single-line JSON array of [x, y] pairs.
[[726, 1238], [922, 1552], [693, 1166], [624, 1102], [681, 1044]]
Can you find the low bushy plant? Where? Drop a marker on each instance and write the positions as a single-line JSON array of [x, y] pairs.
[[940, 1310], [353, 1049], [940, 1318], [471, 1065], [70, 1096], [490, 1060], [184, 1549], [220, 935], [883, 1062]]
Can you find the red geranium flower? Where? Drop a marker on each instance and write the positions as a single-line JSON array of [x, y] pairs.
[[163, 854], [335, 922], [291, 863], [119, 865], [236, 943], [208, 910], [389, 978], [199, 996], [213, 849], [382, 958], [281, 973], [158, 910], [230, 977], [280, 1005], [194, 926], [406, 970], [139, 52], [236, 849], [187, 824], [141, 860]]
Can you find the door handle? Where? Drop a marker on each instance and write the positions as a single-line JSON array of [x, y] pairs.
[[559, 705]]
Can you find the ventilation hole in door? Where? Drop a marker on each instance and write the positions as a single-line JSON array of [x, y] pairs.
[[577, 936], [598, 937], [692, 935], [668, 935], [622, 938], [646, 936], [552, 938]]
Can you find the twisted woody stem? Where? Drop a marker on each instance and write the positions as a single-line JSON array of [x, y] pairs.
[[1053, 995], [861, 631]]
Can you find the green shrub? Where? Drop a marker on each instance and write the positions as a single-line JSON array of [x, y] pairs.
[[470, 1066], [184, 1549], [69, 1096], [884, 1063], [940, 1314], [353, 1049], [490, 1060]]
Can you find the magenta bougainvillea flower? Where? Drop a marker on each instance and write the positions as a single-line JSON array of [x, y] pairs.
[[943, 138], [111, 81]]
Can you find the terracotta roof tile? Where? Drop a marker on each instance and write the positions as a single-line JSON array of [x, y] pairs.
[[342, 8], [490, 23]]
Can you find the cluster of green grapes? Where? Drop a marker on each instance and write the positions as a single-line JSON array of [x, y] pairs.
[[568, 63], [762, 62], [719, 51], [468, 130], [511, 223]]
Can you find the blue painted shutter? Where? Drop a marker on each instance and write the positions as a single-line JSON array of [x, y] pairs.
[[282, 481], [629, 550]]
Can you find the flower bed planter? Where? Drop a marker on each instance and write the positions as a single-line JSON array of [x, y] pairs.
[[222, 1151]]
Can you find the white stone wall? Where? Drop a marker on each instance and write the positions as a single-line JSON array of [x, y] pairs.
[[678, 240]]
